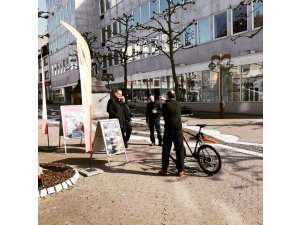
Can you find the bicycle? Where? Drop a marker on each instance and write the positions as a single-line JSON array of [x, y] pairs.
[[206, 155]]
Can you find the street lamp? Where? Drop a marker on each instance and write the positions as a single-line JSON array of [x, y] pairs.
[[222, 62], [108, 77]]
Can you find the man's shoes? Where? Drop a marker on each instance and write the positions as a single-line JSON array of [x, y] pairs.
[[181, 173], [126, 145], [163, 173], [152, 144], [160, 143]]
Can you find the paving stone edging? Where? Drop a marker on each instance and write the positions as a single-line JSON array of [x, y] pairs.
[[68, 183]]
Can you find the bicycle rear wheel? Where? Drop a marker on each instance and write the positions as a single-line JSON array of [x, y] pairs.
[[209, 159]]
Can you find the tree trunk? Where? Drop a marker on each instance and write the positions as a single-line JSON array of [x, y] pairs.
[[125, 80]]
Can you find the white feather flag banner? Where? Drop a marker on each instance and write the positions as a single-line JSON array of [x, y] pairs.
[[44, 106], [84, 61]]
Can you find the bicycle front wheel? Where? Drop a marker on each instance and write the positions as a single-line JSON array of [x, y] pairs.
[[209, 159]]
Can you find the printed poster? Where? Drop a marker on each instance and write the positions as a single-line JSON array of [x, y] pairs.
[[112, 136], [73, 121]]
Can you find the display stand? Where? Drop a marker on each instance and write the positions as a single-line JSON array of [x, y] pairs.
[[108, 137], [71, 124]]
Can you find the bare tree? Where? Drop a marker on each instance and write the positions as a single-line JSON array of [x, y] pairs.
[[257, 6], [94, 48], [165, 23], [122, 45]]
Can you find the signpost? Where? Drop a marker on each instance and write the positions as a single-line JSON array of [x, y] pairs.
[[108, 136], [72, 120]]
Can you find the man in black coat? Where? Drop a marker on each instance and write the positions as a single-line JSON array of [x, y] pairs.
[[171, 111], [153, 112], [128, 126], [115, 110]]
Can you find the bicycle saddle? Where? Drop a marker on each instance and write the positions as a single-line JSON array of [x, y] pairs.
[[201, 125]]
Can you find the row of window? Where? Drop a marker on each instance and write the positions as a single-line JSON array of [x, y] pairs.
[[46, 76], [45, 60], [200, 33], [143, 13], [63, 14], [242, 84], [62, 41], [62, 67], [155, 6]]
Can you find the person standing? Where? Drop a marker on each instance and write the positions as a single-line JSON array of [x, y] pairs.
[[153, 112], [115, 110], [171, 111], [128, 125]]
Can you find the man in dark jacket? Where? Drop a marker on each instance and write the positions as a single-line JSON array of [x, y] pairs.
[[171, 111], [153, 112], [115, 109], [128, 125]]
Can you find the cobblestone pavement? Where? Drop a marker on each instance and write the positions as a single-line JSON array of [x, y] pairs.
[[133, 192]]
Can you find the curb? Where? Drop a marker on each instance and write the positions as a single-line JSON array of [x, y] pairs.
[[65, 185]]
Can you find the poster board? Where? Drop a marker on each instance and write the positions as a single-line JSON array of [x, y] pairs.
[[109, 136], [72, 119]]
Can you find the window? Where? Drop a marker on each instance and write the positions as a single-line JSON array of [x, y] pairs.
[[210, 86], [104, 61], [136, 16], [176, 1], [40, 77], [257, 14], [194, 86], [189, 36], [103, 39], [108, 31], [204, 31], [163, 5], [153, 8], [40, 64], [115, 28], [178, 40], [116, 58], [154, 43], [164, 42], [107, 5], [239, 19], [45, 61], [64, 66], [220, 25], [252, 82], [146, 50], [110, 59], [47, 75], [145, 13], [121, 27], [136, 48]]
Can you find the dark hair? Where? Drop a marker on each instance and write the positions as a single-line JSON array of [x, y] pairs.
[[116, 90], [171, 94]]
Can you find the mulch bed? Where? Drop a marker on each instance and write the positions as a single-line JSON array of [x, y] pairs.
[[55, 173]]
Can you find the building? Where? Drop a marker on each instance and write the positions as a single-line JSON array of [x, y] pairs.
[[43, 60], [217, 23]]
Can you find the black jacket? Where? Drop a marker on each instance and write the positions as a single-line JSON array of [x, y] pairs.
[[171, 111], [115, 110], [150, 106], [127, 112]]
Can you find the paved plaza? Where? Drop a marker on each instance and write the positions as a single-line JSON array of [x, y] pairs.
[[134, 193]]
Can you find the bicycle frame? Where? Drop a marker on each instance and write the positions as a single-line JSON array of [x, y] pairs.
[[200, 138]]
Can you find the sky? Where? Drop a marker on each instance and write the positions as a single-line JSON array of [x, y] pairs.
[[42, 22]]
